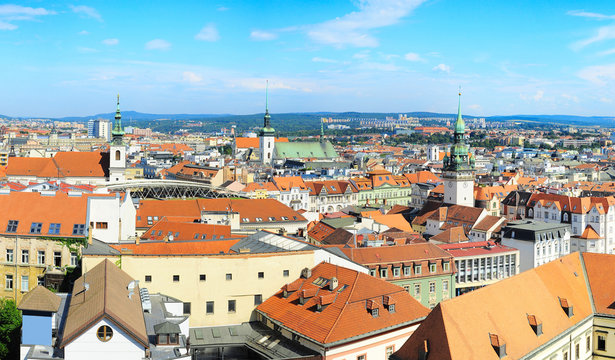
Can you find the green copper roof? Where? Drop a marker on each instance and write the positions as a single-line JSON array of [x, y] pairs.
[[305, 149], [118, 131], [460, 126]]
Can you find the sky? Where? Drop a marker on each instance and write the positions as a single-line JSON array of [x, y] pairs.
[[214, 57]]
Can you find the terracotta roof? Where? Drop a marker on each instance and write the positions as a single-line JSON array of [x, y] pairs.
[[320, 231], [337, 322], [63, 164], [600, 269], [106, 298], [177, 248], [488, 222], [451, 235], [247, 142], [40, 299], [397, 253], [590, 234], [422, 177], [475, 248], [182, 230], [286, 183], [460, 328], [394, 220]]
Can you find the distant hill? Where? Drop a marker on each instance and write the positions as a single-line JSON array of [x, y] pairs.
[[134, 115]]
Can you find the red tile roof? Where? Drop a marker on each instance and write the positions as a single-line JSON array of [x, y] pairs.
[[177, 248], [476, 248], [182, 230], [347, 306]]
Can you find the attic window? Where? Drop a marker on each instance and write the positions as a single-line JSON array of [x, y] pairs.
[[498, 345], [375, 312], [272, 218], [320, 281], [535, 324], [567, 307], [259, 219], [284, 218]]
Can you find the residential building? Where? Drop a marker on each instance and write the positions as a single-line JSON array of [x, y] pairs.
[[331, 195], [538, 242], [382, 188], [424, 270], [331, 302], [446, 217], [481, 263], [560, 310], [294, 193]]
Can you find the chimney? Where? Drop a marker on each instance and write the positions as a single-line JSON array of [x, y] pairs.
[[306, 273], [333, 284], [119, 238], [90, 232], [138, 240]]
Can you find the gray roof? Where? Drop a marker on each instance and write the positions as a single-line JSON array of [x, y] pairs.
[[99, 248], [253, 335], [533, 230], [166, 328], [267, 242]]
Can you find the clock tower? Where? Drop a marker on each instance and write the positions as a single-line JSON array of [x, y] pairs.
[[267, 134], [458, 168]]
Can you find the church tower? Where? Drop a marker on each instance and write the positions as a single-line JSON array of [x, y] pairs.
[[117, 148], [458, 171], [267, 134]]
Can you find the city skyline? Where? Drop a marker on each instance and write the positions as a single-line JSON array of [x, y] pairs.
[[70, 59]]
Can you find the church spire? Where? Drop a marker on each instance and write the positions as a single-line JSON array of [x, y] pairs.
[[322, 130], [267, 116], [118, 131], [460, 126]]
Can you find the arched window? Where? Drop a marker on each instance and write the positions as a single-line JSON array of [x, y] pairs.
[[104, 333], [269, 145], [565, 217], [118, 155], [530, 212]]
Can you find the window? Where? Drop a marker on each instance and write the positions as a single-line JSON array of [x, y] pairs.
[[432, 268], [36, 228], [417, 269], [40, 257], [54, 229], [588, 343], [209, 307], [149, 220], [446, 266], [229, 276], [57, 258], [432, 287], [232, 306], [12, 226], [389, 351], [25, 283], [8, 281], [102, 225], [601, 342], [285, 273], [74, 259], [104, 333], [175, 278], [9, 255], [25, 256], [565, 357], [417, 290], [78, 229], [148, 278], [196, 236], [187, 307], [406, 270], [258, 299], [261, 275], [375, 312], [445, 286], [362, 357], [396, 272], [202, 277], [576, 351], [383, 273]]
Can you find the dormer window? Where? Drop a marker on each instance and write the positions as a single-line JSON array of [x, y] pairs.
[[566, 306], [498, 345], [535, 324], [375, 312]]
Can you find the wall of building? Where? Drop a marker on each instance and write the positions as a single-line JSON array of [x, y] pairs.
[[36, 328], [374, 347], [88, 346]]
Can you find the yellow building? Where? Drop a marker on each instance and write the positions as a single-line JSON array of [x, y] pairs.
[[221, 289]]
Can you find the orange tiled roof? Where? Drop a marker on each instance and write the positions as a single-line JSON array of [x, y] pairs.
[[182, 247], [590, 234], [186, 230], [63, 164], [346, 305]]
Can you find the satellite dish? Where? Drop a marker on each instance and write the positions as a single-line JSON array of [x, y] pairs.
[[131, 285]]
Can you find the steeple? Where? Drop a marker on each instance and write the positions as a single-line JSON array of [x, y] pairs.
[[322, 130], [117, 132], [460, 126], [458, 158], [267, 130]]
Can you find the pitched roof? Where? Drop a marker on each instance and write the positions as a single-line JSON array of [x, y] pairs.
[[106, 298], [394, 221], [460, 328], [451, 235], [196, 247], [590, 234], [186, 230], [422, 177], [40, 299], [488, 223], [339, 236], [63, 164], [475, 248], [345, 306], [397, 253]]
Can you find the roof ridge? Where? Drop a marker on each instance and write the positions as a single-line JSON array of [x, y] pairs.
[[105, 289], [356, 279], [587, 285]]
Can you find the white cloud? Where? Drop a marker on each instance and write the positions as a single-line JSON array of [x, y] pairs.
[[442, 68], [259, 35], [606, 100], [353, 29], [11, 12], [573, 98], [413, 57], [538, 96], [86, 11], [604, 33], [191, 77], [208, 33], [474, 107], [591, 15], [84, 32], [87, 50], [157, 44], [324, 60], [598, 74], [607, 52], [222, 8], [361, 55], [111, 42]]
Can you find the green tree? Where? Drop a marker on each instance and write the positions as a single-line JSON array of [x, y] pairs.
[[10, 326]]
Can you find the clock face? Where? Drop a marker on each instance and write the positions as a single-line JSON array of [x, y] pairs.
[[450, 184]]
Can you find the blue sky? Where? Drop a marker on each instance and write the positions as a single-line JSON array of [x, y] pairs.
[[509, 57]]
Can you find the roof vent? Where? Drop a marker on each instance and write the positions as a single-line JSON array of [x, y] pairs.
[[389, 302], [535, 323], [306, 273], [333, 283], [566, 306], [498, 345]]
